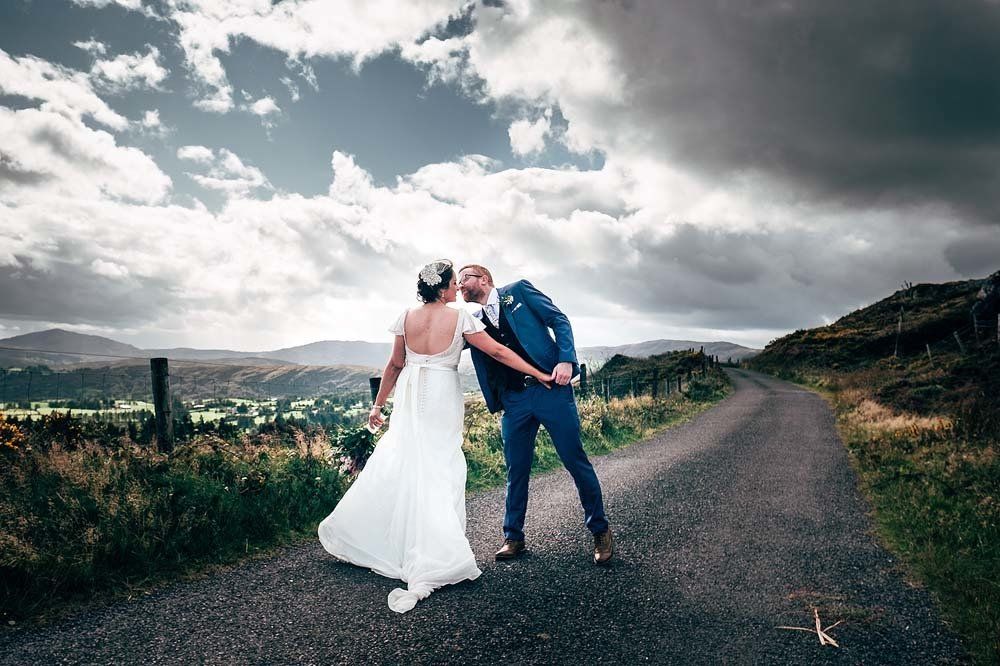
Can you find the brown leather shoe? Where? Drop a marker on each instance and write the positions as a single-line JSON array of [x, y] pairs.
[[604, 547], [511, 549]]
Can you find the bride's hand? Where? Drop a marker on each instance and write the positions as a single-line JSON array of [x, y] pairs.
[[545, 379], [375, 419]]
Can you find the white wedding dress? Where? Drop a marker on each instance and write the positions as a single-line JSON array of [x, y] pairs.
[[404, 515]]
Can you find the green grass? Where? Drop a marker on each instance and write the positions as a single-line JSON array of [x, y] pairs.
[[76, 523], [937, 505]]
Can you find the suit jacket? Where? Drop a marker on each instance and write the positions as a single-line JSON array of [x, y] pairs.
[[530, 314]]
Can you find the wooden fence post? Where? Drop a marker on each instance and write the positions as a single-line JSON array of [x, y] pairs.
[[161, 404], [961, 347], [929, 352], [583, 379], [656, 383], [899, 331], [374, 384]]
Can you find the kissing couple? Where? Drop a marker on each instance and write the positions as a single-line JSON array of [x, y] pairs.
[[404, 515]]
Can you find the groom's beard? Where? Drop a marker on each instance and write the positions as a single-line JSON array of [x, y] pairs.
[[476, 296]]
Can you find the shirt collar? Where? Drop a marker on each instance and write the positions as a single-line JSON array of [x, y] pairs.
[[494, 298]]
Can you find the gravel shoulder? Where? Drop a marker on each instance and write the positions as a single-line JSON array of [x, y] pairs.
[[728, 526]]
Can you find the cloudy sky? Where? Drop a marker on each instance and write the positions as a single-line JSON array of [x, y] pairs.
[[254, 175]]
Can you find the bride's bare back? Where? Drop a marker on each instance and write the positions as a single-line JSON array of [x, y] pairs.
[[430, 329]]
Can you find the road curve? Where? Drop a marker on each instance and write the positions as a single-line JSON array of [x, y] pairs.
[[728, 526]]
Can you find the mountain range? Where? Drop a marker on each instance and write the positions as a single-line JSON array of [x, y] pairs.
[[56, 347]]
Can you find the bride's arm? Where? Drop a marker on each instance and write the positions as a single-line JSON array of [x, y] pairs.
[[484, 343], [389, 376]]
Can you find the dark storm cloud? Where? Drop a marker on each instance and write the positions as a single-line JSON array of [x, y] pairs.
[[869, 104], [68, 291], [736, 280], [977, 255]]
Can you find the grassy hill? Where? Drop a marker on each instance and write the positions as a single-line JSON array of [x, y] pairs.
[[919, 411], [931, 313]]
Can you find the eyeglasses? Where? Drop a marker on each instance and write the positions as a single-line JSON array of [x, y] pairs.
[[467, 276]]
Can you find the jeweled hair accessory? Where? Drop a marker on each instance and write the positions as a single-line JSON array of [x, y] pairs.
[[431, 273]]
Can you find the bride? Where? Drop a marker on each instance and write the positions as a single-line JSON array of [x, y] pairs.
[[404, 515]]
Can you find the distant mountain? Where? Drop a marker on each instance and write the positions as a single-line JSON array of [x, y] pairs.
[[335, 352], [724, 350], [56, 339], [73, 348], [189, 354]]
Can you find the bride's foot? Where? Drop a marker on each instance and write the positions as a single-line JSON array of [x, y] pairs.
[[511, 549]]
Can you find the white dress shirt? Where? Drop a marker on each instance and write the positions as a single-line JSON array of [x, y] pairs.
[[492, 307]]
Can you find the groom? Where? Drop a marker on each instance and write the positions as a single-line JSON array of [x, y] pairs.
[[519, 316]]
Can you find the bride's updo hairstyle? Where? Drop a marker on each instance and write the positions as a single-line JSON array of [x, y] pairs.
[[433, 278]]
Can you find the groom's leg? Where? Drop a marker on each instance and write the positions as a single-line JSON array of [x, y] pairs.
[[556, 409], [519, 428]]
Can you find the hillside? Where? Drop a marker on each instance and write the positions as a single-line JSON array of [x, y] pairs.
[[931, 313], [71, 348], [189, 380], [859, 347]]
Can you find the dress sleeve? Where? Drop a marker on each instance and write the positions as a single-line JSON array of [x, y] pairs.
[[469, 323], [397, 327]]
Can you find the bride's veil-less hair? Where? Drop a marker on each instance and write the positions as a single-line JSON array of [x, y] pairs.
[[433, 278]]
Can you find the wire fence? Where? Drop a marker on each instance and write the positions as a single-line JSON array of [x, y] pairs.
[[979, 335]]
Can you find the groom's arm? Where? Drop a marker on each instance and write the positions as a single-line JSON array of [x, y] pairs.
[[554, 318]]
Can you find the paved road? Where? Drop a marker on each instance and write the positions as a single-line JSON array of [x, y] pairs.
[[728, 526]]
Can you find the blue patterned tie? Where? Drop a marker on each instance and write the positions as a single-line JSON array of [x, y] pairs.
[[491, 312]]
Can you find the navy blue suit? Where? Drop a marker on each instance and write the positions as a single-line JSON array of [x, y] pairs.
[[530, 314]]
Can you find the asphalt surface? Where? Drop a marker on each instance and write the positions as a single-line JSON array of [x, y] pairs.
[[731, 525]]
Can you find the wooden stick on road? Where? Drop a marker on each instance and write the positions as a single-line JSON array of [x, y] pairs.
[[824, 638]]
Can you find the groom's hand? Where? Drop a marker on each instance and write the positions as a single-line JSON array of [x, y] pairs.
[[562, 373]]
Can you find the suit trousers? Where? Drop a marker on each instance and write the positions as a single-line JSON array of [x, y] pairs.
[[555, 409]]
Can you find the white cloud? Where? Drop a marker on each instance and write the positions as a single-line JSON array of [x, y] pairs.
[[131, 5], [92, 46], [151, 120], [265, 106], [226, 173], [127, 4], [130, 71], [62, 90], [56, 155], [293, 90], [621, 274], [108, 269], [528, 137], [351, 30], [199, 154]]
